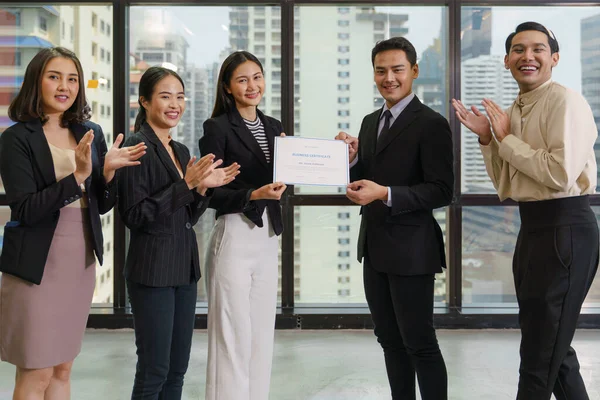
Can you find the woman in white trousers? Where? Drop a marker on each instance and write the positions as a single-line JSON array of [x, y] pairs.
[[242, 255]]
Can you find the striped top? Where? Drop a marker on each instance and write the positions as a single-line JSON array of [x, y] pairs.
[[258, 131]]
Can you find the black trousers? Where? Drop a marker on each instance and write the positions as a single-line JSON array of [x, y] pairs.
[[163, 319], [402, 311], [555, 261]]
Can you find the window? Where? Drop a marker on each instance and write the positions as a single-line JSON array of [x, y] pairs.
[[343, 23], [343, 87], [62, 30], [276, 75], [259, 36], [102, 110], [276, 62], [344, 241], [344, 215], [343, 100], [343, 49], [94, 20], [94, 76], [108, 84], [343, 254], [101, 54], [343, 74], [259, 49], [343, 125], [343, 113], [343, 279], [108, 115], [378, 25], [108, 56], [168, 57], [107, 29], [72, 33], [43, 24], [343, 36], [276, 24], [94, 49], [344, 292], [343, 10], [343, 267], [378, 37], [276, 49], [343, 228], [276, 37], [102, 26], [343, 61]]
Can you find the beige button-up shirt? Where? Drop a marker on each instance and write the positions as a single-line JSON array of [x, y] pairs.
[[550, 151]]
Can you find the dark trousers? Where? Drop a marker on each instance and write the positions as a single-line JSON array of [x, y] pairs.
[[556, 258], [402, 311], [163, 319]]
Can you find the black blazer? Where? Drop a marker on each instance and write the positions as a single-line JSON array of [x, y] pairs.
[[160, 211], [229, 139], [35, 197], [415, 159]]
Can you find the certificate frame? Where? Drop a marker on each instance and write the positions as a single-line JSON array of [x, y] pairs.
[[317, 141]]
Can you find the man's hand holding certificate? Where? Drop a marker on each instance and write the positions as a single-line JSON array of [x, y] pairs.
[[307, 161]]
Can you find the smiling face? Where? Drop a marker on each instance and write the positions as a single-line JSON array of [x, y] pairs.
[[530, 59], [59, 85], [247, 85], [167, 104], [394, 75]]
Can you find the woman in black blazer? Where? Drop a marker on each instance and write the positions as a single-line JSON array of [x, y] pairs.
[[242, 256], [160, 201], [58, 177]]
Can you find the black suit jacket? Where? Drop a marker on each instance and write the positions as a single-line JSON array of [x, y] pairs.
[[160, 211], [229, 139], [415, 159], [35, 197]]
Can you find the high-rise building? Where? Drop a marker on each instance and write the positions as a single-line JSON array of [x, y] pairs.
[[326, 100], [482, 77], [476, 32], [590, 69]]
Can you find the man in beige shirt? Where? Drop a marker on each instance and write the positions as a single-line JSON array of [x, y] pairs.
[[540, 152]]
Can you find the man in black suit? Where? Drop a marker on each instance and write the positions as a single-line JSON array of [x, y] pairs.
[[401, 169]]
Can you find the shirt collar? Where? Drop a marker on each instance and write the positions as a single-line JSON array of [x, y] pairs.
[[532, 96], [398, 107]]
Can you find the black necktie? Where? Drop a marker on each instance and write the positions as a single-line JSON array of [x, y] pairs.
[[386, 124]]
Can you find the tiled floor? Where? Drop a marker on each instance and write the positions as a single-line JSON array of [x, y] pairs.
[[325, 365]]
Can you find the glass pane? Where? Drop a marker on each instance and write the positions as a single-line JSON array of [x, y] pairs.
[[86, 30], [174, 38], [325, 265], [488, 243], [484, 31], [337, 95]]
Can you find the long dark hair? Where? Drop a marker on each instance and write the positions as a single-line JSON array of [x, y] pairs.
[[149, 79], [28, 106], [224, 101]]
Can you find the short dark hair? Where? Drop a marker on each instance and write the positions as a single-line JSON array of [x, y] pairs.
[[395, 43], [533, 26], [148, 81], [27, 105], [224, 102]]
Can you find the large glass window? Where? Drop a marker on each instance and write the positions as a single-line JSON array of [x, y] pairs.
[[320, 88], [172, 33], [484, 31]]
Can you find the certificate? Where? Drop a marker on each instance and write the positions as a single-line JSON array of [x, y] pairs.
[[309, 161]]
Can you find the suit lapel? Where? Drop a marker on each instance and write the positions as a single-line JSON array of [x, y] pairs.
[[162, 153], [41, 151], [242, 131], [405, 118]]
